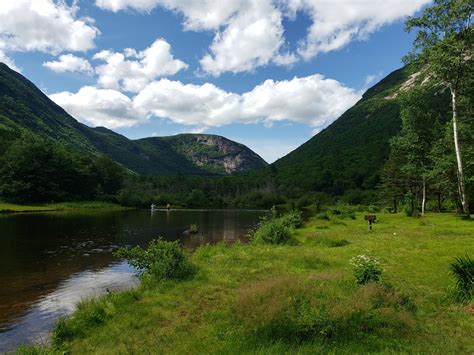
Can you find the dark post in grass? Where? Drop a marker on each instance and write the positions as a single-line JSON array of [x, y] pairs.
[[371, 219]]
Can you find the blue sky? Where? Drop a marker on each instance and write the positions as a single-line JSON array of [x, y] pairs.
[[267, 73]]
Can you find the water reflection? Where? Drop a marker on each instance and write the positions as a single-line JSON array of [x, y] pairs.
[[50, 261], [36, 324]]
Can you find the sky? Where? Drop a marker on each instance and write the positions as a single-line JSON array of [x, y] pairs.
[[266, 73]]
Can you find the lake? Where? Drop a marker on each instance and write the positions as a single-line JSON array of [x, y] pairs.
[[51, 261]]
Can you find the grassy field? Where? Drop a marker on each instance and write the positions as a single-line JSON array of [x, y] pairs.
[[64, 206], [296, 299]]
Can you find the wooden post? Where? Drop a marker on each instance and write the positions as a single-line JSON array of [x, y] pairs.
[[371, 219]]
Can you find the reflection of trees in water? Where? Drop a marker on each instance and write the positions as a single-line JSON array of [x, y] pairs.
[[39, 251]]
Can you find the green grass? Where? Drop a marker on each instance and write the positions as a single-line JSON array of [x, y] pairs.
[[64, 206], [247, 298]]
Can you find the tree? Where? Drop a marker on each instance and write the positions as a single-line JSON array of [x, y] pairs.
[[35, 170], [443, 171], [407, 171], [443, 45]]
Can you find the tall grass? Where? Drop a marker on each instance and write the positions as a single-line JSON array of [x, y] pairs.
[[463, 271], [295, 309]]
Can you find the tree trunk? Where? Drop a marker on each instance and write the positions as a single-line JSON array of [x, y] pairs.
[[457, 147], [423, 201], [440, 207]]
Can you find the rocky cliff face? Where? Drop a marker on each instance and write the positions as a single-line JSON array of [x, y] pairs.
[[215, 153]]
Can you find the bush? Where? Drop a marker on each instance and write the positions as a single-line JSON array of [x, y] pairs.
[[373, 209], [162, 259], [292, 219], [322, 215], [463, 271], [343, 211], [271, 232], [294, 309], [303, 202], [366, 269], [409, 206]]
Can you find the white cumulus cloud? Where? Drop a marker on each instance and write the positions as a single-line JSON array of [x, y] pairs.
[[252, 38], [250, 34], [132, 70], [338, 22], [190, 104], [71, 63], [44, 25], [313, 100], [100, 107], [198, 15]]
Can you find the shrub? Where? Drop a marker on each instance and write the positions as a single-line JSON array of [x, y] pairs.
[[373, 209], [271, 232], [366, 269], [322, 215], [343, 211], [292, 219], [303, 202], [409, 206], [463, 271], [162, 259], [294, 309]]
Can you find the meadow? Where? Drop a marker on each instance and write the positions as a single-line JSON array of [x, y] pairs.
[[300, 297]]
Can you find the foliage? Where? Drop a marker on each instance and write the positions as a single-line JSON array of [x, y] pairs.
[[343, 211], [406, 174], [322, 215], [162, 259], [444, 39], [271, 232], [35, 170], [443, 46], [292, 219], [366, 269], [463, 271], [350, 152], [258, 200]]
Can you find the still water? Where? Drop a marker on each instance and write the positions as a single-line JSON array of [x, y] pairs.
[[51, 261]]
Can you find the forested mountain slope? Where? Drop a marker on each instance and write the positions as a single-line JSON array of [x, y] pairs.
[[350, 152], [24, 108]]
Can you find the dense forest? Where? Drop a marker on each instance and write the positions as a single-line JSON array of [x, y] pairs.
[[407, 144]]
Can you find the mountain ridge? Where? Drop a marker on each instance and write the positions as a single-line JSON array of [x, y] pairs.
[[25, 108], [349, 153]]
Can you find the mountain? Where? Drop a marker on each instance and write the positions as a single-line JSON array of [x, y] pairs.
[[211, 153], [350, 152], [24, 108]]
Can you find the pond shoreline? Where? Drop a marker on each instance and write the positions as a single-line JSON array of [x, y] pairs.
[[10, 208], [215, 309], [49, 257]]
